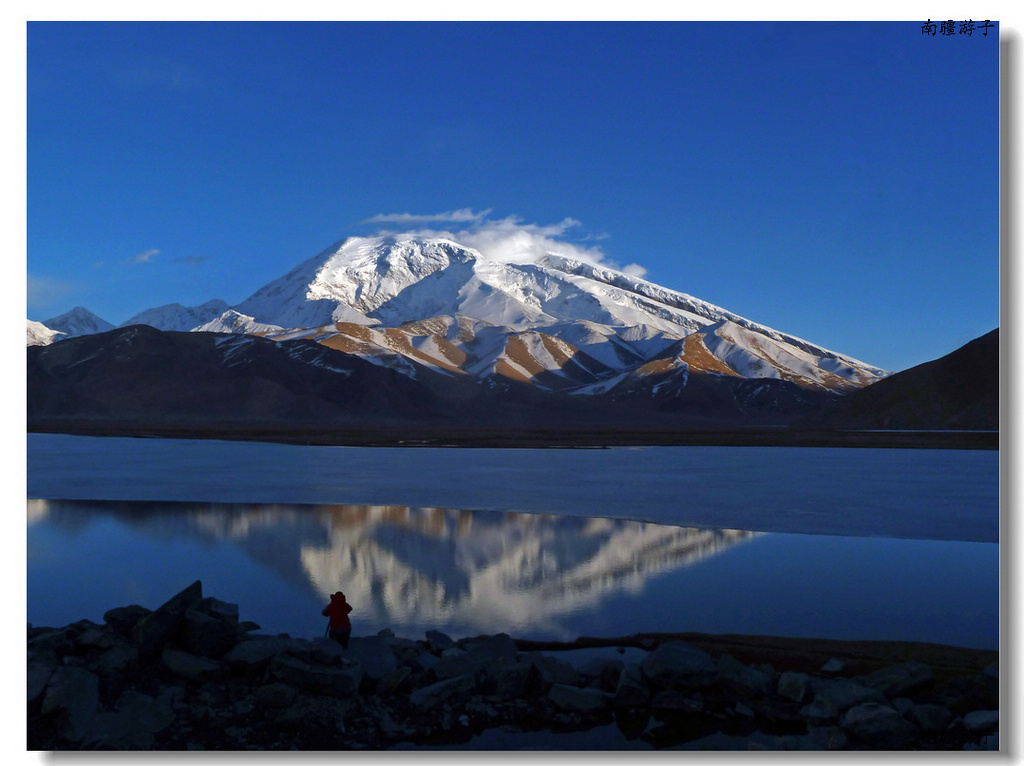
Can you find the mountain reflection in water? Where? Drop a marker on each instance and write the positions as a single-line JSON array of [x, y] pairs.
[[401, 567]]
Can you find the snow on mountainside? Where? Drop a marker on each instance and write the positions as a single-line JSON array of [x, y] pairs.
[[232, 321], [78, 321], [542, 317], [413, 303], [179, 318], [41, 335]]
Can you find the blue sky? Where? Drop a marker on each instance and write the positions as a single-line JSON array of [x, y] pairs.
[[835, 181]]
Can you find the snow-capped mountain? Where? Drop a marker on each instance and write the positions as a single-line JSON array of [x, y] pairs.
[[550, 321], [460, 336], [41, 335], [78, 321], [179, 318]]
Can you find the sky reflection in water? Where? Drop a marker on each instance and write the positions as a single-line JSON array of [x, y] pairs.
[[531, 575]]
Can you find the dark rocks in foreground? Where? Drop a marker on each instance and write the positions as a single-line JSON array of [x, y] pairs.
[[189, 676]]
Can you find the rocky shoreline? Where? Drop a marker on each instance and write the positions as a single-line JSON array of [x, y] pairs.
[[190, 675]]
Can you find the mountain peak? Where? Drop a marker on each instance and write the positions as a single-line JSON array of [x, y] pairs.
[[78, 321], [178, 318], [525, 313]]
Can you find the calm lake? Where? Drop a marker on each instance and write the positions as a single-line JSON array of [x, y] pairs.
[[840, 543]]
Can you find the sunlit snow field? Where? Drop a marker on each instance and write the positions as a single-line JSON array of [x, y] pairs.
[[834, 543]]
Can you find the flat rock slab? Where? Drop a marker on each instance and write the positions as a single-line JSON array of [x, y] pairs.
[[341, 681], [676, 663], [981, 720], [896, 680], [255, 652], [843, 693], [878, 725], [431, 696], [191, 666]]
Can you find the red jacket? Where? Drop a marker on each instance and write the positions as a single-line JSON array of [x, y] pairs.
[[338, 611]]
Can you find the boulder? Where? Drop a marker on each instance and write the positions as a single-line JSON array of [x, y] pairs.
[[551, 670], [219, 610], [255, 653], [513, 681], [631, 690], [430, 696], [374, 654], [820, 711], [603, 673], [247, 626], [425, 662], [833, 666], [207, 636], [896, 680], [339, 681], [493, 650], [124, 618], [929, 718], [676, 663], [878, 725], [192, 667], [73, 696], [576, 700], [327, 651], [131, 726], [97, 637], [297, 647], [843, 693], [731, 669], [455, 663], [50, 644], [793, 686], [154, 630], [39, 674], [114, 665], [981, 720], [438, 641], [392, 682], [902, 704]]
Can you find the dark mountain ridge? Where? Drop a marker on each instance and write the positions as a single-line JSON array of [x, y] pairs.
[[140, 378], [957, 391]]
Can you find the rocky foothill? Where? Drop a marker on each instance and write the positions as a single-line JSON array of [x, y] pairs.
[[190, 676]]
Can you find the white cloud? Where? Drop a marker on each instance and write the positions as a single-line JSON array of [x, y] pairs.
[[145, 257], [509, 239]]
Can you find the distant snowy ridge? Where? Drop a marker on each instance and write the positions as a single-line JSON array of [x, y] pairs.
[[78, 321], [41, 335], [178, 318]]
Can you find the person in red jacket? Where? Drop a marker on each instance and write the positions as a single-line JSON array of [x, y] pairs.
[[340, 627]]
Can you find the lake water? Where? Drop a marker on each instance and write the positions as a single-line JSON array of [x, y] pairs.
[[859, 544]]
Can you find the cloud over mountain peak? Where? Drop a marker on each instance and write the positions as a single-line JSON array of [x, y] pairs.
[[508, 240]]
